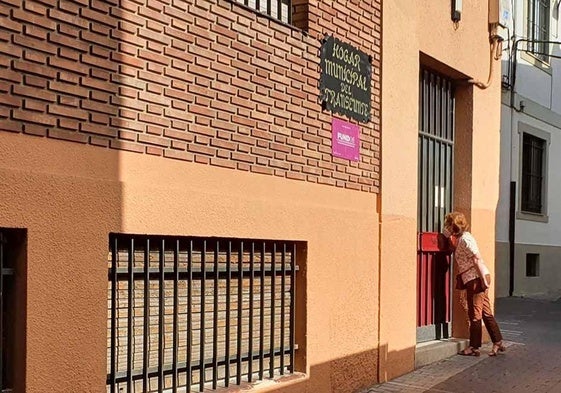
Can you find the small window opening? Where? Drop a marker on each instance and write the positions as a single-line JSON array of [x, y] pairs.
[[532, 265]]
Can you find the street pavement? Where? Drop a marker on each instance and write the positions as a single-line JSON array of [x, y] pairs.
[[532, 361]]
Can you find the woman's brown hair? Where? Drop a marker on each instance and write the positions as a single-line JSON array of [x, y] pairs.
[[456, 222]]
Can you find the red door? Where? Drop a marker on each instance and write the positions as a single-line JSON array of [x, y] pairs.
[[433, 287]]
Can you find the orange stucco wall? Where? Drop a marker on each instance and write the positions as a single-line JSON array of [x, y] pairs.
[[359, 294], [413, 31], [187, 118], [70, 197]]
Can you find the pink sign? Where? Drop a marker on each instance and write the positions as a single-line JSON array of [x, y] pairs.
[[345, 140]]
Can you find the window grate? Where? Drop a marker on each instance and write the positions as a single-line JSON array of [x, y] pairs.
[[277, 9], [198, 313], [533, 154], [538, 28]]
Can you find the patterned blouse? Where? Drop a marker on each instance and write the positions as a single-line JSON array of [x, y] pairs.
[[463, 255]]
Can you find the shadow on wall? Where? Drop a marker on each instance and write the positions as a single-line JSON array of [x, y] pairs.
[[351, 374], [348, 374]]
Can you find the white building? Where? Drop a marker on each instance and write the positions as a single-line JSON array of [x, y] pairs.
[[528, 239]]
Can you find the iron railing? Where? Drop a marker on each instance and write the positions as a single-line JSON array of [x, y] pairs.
[[197, 313]]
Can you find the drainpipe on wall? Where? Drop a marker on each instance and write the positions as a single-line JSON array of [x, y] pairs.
[[512, 193], [511, 228], [496, 48]]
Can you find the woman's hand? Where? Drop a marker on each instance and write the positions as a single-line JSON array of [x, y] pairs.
[[453, 241]]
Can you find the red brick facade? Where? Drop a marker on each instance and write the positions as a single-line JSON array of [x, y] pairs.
[[210, 82]]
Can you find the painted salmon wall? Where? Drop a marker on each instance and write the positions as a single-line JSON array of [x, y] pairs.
[[422, 34]]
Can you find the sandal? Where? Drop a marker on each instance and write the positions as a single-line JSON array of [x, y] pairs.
[[497, 347], [469, 351]]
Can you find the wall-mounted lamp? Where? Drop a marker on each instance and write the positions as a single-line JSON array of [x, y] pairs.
[[456, 10]]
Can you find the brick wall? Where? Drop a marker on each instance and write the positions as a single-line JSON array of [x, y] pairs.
[[210, 82]]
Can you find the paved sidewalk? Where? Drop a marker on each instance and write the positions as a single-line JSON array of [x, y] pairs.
[[531, 363]]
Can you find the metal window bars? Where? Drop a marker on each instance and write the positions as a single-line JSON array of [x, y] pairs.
[[190, 313], [277, 9], [533, 153], [538, 28], [436, 149]]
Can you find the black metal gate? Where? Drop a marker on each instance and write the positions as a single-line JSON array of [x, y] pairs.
[[436, 159]]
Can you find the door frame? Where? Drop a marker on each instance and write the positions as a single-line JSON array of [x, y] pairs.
[[435, 198]]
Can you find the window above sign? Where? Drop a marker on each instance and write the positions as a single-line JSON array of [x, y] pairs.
[[280, 10], [345, 80]]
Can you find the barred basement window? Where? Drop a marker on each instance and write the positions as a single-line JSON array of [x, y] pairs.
[[189, 313], [277, 9]]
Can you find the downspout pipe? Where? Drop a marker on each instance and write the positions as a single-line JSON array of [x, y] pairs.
[[495, 51], [511, 233], [512, 183]]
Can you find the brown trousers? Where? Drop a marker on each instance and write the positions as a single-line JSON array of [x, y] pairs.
[[479, 308]]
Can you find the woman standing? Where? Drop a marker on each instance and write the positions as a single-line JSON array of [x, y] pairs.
[[475, 277]]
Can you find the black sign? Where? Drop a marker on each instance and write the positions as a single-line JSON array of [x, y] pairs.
[[344, 83]]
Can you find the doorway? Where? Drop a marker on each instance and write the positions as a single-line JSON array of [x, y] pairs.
[[435, 196]]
